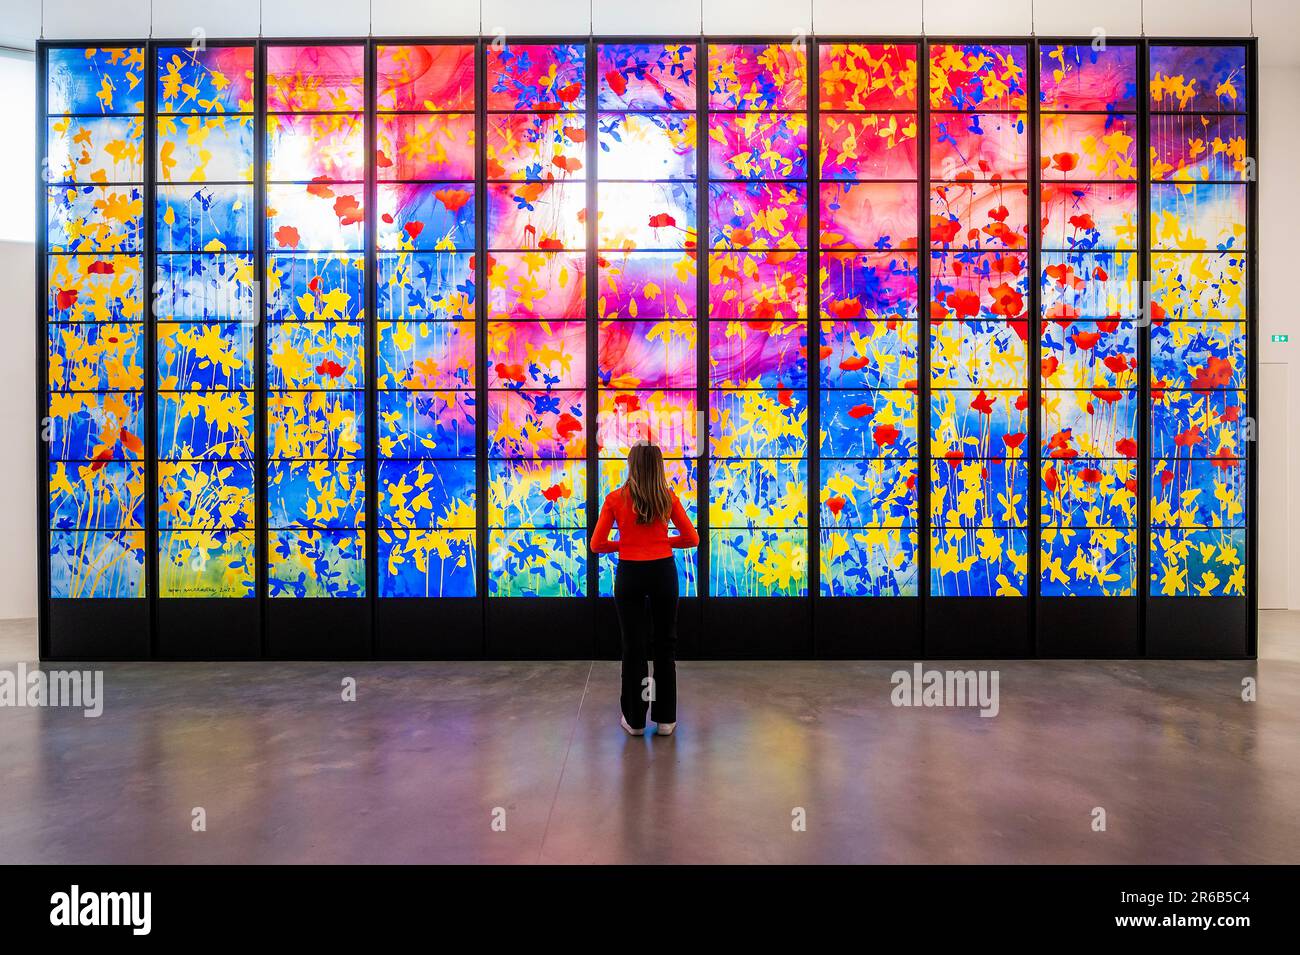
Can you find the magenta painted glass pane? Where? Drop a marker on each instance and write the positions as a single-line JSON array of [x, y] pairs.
[[868, 215], [1198, 78], [977, 77], [1088, 146], [1089, 215], [216, 79], [758, 146], [436, 146], [549, 217], [536, 424], [524, 285], [758, 285], [868, 146], [651, 76], [536, 354], [758, 215], [667, 418], [978, 146], [642, 354], [864, 76], [757, 76], [1087, 79], [869, 285], [425, 78], [536, 76], [327, 78], [536, 146], [985, 285], [646, 285], [979, 215]]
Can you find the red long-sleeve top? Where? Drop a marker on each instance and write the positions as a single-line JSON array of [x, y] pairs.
[[640, 541]]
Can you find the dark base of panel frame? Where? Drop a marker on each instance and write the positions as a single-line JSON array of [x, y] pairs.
[[197, 628], [109, 629], [609, 641], [1198, 628], [535, 628], [318, 628], [757, 628], [977, 628], [867, 628], [1082, 628], [429, 628]]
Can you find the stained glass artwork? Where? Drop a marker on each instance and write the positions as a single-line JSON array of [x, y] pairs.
[[316, 389], [1088, 342], [537, 416], [95, 434], [757, 319], [867, 354], [426, 489], [1199, 417], [572, 246], [979, 329]]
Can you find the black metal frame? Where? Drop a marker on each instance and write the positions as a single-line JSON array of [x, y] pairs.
[[711, 627]]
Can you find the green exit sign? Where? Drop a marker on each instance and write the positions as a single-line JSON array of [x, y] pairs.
[[1281, 339]]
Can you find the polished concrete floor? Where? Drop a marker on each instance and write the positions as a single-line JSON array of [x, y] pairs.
[[430, 754]]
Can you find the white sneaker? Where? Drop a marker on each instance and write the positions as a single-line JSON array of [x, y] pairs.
[[622, 721], [665, 729]]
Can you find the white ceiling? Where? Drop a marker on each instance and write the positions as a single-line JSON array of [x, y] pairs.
[[1276, 22]]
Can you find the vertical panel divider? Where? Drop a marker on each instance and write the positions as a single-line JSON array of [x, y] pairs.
[[149, 263], [812, 242], [371, 338], [1033, 339], [261, 452], [703, 322], [923, 529], [42, 299], [1252, 343], [481, 274], [592, 326], [1144, 341]]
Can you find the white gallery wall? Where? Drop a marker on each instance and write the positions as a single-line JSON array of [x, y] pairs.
[[1276, 22]]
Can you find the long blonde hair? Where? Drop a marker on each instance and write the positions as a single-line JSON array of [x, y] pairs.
[[652, 499]]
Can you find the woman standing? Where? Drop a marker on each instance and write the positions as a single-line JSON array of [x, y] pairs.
[[645, 584]]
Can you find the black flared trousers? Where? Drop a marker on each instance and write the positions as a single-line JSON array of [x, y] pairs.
[[645, 593]]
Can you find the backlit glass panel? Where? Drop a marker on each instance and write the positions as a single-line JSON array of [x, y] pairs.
[[205, 322], [867, 356], [316, 321], [978, 419], [1199, 416], [647, 269], [94, 432], [426, 485], [1088, 335], [757, 320], [538, 423]]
